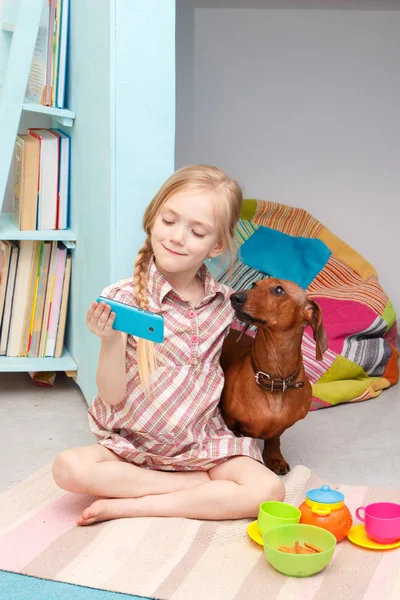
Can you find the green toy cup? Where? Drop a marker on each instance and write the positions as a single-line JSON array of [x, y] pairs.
[[298, 565], [272, 514]]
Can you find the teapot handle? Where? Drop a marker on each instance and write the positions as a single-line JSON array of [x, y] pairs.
[[359, 517]]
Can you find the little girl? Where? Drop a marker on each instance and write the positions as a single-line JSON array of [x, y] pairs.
[[163, 448]]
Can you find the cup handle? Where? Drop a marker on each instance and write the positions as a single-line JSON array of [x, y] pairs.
[[359, 517]]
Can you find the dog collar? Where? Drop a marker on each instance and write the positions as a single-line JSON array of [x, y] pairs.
[[276, 384]]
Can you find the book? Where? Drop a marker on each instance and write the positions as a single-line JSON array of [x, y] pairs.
[[63, 178], [63, 309], [36, 87], [48, 72], [26, 182], [56, 52], [48, 178], [5, 255], [48, 299], [18, 165], [56, 302], [26, 250], [40, 300], [57, 135], [31, 298], [62, 55], [52, 28], [8, 303]]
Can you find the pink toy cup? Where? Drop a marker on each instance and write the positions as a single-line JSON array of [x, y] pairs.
[[382, 521]]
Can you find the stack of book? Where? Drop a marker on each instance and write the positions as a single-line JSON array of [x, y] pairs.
[[46, 84], [34, 289], [41, 180]]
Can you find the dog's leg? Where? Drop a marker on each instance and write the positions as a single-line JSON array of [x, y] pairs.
[[273, 458]]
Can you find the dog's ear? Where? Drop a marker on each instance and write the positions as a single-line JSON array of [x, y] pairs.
[[314, 317]]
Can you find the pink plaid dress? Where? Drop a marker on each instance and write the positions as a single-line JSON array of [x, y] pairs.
[[178, 426]]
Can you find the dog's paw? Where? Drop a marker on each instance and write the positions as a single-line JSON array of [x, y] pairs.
[[277, 464]]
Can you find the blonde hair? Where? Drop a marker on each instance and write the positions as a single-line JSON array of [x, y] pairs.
[[228, 202]]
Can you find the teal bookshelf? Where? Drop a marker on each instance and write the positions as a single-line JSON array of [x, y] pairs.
[[15, 364], [9, 231], [7, 26], [19, 29], [61, 115], [121, 118]]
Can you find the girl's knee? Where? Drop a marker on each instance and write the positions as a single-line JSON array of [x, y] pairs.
[[278, 491], [270, 488], [68, 471]]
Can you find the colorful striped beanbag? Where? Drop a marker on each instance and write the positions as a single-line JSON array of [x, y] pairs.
[[275, 240]]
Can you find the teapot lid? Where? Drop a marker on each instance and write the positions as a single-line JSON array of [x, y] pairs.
[[325, 495]]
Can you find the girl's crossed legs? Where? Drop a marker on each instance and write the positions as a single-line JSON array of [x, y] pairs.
[[233, 489]]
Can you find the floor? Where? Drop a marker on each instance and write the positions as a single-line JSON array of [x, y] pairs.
[[356, 444]]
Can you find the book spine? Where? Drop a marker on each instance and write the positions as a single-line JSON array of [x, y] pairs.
[[18, 181]]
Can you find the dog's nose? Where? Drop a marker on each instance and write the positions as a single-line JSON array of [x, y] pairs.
[[238, 299]]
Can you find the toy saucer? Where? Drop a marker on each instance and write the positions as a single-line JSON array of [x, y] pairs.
[[254, 533], [358, 536]]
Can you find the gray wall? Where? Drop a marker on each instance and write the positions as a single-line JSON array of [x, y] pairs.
[[302, 107]]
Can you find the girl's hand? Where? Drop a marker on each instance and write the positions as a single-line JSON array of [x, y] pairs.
[[100, 319]]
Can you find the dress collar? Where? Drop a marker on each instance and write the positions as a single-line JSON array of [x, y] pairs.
[[158, 287]]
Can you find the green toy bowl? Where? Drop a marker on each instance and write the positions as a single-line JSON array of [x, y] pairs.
[[298, 565]]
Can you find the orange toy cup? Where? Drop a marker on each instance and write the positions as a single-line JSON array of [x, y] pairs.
[[325, 508]]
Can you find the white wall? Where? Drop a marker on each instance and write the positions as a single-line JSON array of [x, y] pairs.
[[302, 107]]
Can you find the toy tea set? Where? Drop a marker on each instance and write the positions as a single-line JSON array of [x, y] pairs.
[[300, 542]]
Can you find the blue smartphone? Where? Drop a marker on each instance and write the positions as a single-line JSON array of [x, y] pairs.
[[136, 321]]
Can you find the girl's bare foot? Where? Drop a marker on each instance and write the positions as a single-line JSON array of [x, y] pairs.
[[107, 509]]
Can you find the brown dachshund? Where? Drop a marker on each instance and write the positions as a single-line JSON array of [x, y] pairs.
[[266, 390]]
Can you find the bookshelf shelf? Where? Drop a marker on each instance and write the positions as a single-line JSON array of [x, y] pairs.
[[7, 26], [8, 231], [62, 115], [64, 363]]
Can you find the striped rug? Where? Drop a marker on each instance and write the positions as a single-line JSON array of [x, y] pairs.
[[178, 559]]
